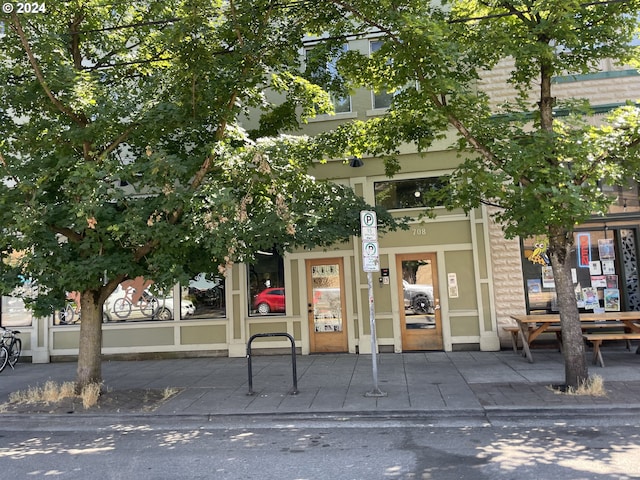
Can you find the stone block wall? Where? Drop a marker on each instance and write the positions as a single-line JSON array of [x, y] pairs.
[[508, 286]]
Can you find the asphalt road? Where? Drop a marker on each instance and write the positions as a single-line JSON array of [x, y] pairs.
[[332, 448]]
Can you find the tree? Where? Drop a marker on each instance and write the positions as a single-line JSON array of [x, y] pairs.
[[122, 155], [538, 160]]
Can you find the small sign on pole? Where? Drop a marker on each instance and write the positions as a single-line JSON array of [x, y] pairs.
[[369, 233], [371, 263]]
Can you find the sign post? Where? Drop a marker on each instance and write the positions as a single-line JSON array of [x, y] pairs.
[[371, 263]]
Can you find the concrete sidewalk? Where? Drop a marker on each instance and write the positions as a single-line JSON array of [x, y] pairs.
[[414, 383]]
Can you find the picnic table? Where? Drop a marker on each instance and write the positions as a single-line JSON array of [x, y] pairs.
[[624, 324]]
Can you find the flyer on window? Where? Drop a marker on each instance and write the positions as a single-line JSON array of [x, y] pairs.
[[608, 267], [605, 249], [547, 277], [590, 296], [534, 285], [611, 300]]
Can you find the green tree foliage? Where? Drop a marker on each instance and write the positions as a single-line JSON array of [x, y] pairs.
[[121, 152], [539, 161]]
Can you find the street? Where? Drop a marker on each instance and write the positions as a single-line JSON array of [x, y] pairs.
[[338, 448]]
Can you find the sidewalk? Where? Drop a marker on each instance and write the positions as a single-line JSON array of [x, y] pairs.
[[414, 383]]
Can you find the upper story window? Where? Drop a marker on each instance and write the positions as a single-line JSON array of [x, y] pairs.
[[324, 72], [409, 193], [626, 199], [383, 98]]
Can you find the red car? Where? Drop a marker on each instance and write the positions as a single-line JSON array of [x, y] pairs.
[[269, 300]]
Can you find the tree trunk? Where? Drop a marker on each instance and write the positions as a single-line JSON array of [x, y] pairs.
[[90, 348], [575, 364]]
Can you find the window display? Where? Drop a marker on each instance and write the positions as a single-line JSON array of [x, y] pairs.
[[603, 278]]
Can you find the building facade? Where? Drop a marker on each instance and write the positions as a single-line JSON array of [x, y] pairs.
[[445, 284]]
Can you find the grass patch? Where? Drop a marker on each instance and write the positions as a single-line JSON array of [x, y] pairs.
[[169, 392], [592, 387], [90, 394], [52, 392]]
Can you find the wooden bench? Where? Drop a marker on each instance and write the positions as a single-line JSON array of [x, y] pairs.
[[514, 331], [597, 338]]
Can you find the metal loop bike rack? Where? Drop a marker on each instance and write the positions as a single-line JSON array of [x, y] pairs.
[[294, 390]]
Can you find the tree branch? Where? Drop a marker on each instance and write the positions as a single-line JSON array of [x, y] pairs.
[[17, 26], [113, 145]]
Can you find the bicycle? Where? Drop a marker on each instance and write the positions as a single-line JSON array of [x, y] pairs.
[[12, 346], [147, 303], [4, 357], [68, 314]]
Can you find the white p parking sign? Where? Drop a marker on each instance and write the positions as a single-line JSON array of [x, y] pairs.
[[369, 231]]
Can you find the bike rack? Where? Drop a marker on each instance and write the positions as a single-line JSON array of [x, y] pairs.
[[293, 391]]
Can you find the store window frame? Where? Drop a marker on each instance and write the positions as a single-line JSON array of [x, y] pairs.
[[611, 280], [266, 289]]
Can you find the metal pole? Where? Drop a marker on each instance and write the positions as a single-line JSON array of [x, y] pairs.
[[376, 392]]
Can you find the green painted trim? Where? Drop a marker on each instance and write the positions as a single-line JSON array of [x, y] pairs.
[[595, 76]]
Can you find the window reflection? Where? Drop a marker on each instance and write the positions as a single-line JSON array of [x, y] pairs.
[[410, 193], [135, 300], [266, 284], [14, 313], [206, 291]]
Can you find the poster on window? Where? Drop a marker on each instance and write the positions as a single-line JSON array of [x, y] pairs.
[[534, 285], [590, 296], [547, 277], [605, 249], [579, 296], [608, 267], [611, 300]]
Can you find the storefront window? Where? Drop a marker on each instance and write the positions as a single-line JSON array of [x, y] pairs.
[[205, 297], [14, 313], [132, 301], [266, 284], [603, 267]]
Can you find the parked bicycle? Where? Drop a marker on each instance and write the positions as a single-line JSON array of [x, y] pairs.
[[4, 357], [10, 349]]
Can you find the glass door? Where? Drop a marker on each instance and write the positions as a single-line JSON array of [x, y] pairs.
[[326, 312], [420, 317]]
